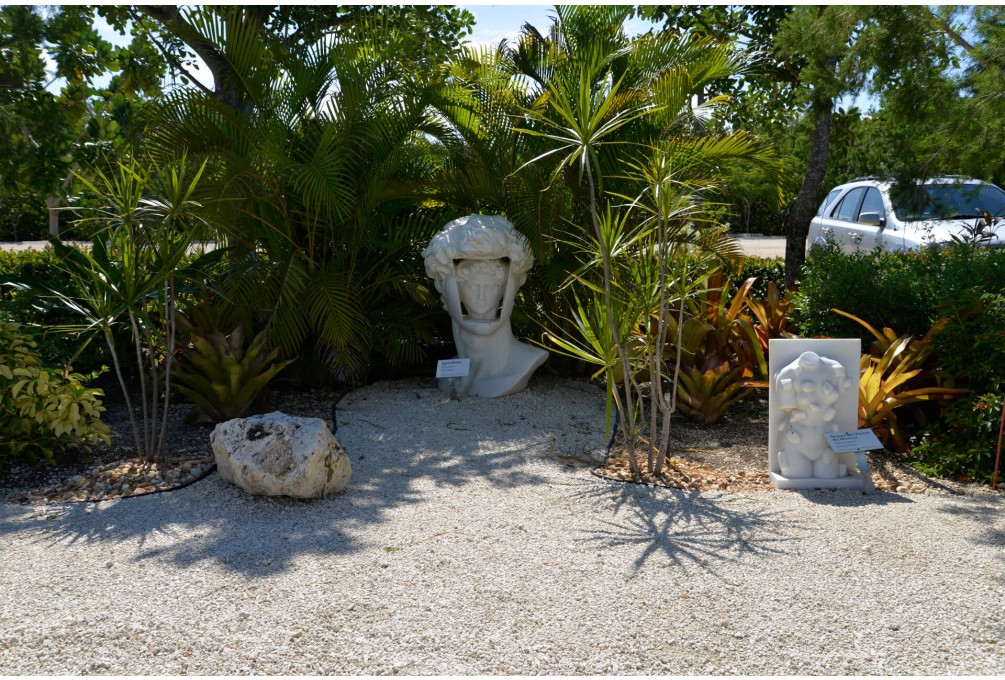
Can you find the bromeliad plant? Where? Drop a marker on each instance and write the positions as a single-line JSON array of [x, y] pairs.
[[772, 314], [221, 373], [720, 354], [894, 376], [147, 219]]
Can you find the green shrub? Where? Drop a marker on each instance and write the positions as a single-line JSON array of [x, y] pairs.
[[23, 217], [43, 413], [25, 276], [882, 289], [766, 269], [907, 291], [962, 442]]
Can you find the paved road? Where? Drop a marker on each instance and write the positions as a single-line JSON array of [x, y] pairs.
[[762, 246]]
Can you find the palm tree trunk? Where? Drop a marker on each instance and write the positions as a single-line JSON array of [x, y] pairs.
[[806, 201]]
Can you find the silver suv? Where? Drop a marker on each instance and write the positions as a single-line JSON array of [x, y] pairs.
[[868, 212]]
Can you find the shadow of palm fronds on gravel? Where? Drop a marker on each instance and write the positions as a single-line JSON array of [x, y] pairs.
[[167, 528], [689, 529], [430, 463], [988, 511]]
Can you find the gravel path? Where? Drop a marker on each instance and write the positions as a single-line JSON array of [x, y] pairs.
[[473, 540]]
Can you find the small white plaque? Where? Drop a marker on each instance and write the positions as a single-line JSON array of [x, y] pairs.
[[851, 442], [453, 368]]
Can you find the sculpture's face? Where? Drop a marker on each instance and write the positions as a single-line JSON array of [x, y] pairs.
[[480, 283]]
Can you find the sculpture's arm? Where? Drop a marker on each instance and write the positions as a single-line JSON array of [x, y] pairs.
[[452, 298]]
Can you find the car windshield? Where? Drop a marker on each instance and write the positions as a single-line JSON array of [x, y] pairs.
[[946, 201]]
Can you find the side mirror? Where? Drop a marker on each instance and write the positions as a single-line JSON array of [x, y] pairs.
[[872, 219]]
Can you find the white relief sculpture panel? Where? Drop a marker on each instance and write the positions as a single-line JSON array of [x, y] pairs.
[[813, 392], [478, 264]]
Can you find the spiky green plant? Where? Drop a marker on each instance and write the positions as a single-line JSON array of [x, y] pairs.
[[222, 377], [894, 376], [146, 218]]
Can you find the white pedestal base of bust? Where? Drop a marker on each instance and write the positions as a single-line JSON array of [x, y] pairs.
[[846, 352], [530, 359]]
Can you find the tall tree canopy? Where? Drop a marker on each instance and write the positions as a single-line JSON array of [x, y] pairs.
[[934, 77], [46, 132]]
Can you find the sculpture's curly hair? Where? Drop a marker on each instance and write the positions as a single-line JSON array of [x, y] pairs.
[[477, 237]]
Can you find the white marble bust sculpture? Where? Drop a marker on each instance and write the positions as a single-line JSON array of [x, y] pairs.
[[478, 263], [807, 390]]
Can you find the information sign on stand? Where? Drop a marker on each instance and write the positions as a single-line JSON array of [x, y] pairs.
[[857, 442], [451, 369]]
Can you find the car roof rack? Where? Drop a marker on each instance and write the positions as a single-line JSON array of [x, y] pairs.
[[863, 179]]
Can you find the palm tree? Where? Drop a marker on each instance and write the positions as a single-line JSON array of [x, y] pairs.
[[320, 167], [606, 127]]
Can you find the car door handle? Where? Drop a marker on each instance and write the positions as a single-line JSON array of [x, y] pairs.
[[827, 231], [855, 236]]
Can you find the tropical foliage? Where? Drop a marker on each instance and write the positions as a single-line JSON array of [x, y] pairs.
[[333, 142], [895, 374], [43, 412], [220, 370], [125, 288], [611, 122], [319, 170]]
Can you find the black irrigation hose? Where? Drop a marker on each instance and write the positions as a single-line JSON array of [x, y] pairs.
[[596, 470], [212, 468]]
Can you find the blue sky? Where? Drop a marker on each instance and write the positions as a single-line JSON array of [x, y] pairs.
[[495, 22]]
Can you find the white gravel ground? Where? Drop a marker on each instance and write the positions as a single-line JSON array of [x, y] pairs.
[[465, 544]]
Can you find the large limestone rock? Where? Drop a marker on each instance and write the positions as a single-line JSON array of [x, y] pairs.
[[280, 455]]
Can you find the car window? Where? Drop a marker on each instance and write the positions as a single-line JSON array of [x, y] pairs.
[[873, 203], [847, 209], [946, 201], [827, 201]]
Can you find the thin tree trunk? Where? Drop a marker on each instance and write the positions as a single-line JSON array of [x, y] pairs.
[[170, 322], [145, 452], [672, 406], [628, 412], [53, 203], [155, 391], [125, 390]]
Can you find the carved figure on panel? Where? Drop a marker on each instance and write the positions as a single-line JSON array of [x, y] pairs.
[[807, 390]]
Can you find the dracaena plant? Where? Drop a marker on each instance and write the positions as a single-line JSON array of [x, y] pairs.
[[146, 219], [616, 122]]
